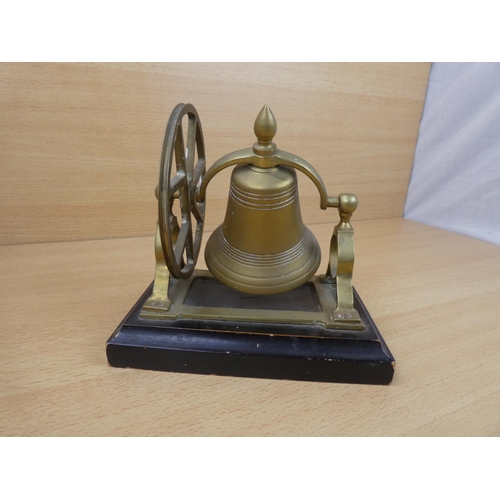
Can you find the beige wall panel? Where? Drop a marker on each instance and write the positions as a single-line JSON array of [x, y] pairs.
[[80, 143]]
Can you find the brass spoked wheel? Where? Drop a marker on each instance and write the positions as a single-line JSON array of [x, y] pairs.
[[177, 191]]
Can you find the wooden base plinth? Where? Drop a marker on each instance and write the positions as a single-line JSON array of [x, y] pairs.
[[265, 350]]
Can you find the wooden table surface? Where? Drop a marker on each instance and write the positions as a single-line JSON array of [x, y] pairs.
[[434, 295]]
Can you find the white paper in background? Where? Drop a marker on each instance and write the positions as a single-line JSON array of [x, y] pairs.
[[455, 181]]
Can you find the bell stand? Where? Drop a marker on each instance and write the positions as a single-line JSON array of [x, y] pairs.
[[176, 305]]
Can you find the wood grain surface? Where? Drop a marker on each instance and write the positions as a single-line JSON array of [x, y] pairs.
[[80, 143], [433, 294]]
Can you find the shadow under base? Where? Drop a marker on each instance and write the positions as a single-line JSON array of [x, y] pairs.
[[264, 350]]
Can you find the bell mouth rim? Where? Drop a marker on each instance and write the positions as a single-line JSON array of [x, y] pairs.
[[276, 277]]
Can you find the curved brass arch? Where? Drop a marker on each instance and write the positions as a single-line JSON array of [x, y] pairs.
[[247, 155], [306, 168]]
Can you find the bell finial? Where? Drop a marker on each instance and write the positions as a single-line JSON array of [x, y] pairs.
[[265, 128]]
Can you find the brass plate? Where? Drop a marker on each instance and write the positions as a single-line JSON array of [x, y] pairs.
[[315, 307]]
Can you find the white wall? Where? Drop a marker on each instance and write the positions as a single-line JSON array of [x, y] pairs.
[[455, 182]]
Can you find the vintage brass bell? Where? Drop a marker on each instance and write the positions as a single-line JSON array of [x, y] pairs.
[[259, 310]]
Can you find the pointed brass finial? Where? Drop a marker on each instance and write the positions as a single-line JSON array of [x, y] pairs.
[[265, 128]]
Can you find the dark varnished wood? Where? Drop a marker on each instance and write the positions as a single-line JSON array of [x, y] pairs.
[[264, 351]]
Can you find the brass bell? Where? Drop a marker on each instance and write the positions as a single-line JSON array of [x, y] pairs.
[[263, 246]]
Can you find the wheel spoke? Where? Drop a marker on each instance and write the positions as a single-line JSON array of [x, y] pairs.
[[182, 240], [178, 180], [198, 211]]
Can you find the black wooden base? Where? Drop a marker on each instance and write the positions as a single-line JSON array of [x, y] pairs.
[[215, 348]]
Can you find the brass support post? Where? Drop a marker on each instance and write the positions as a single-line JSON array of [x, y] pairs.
[[341, 262], [159, 302]]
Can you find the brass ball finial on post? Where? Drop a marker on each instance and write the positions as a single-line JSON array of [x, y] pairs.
[[348, 203], [265, 128]]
